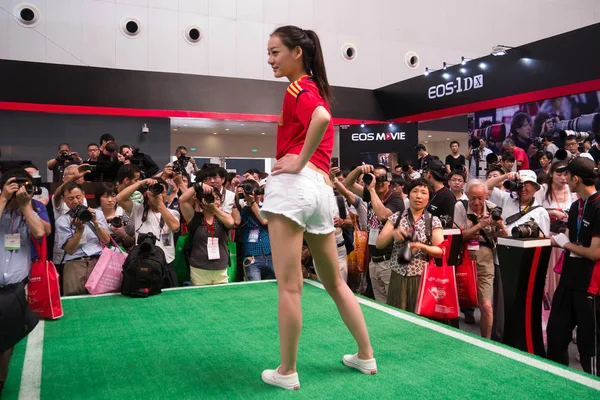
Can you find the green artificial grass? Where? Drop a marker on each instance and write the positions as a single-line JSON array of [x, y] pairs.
[[213, 343]]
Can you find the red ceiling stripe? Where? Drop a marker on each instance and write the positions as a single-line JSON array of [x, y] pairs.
[[137, 112], [558, 91]]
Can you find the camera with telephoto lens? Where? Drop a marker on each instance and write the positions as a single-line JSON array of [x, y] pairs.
[[177, 169], [117, 222], [513, 186], [529, 229], [405, 168], [81, 212], [248, 188], [496, 213], [584, 123], [368, 178], [579, 136], [209, 198], [538, 142], [29, 186], [146, 241], [475, 143], [157, 189]]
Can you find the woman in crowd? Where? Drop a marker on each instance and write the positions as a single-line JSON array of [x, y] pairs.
[[121, 227], [556, 197], [412, 231], [209, 230]]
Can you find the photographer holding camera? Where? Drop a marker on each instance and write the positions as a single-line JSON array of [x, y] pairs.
[[121, 228], [184, 162], [518, 202], [79, 233], [382, 203], [256, 246], [477, 154], [152, 216], [209, 229], [18, 221], [143, 161], [59, 163], [481, 223], [215, 177], [572, 305], [414, 235], [548, 144]]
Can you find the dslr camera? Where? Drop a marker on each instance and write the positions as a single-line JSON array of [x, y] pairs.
[[29, 186], [146, 241], [65, 156], [80, 212], [209, 198], [513, 186], [496, 213], [155, 189], [368, 178], [446, 221], [117, 222], [529, 229]]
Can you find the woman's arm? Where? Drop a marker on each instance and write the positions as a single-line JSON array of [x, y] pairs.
[[385, 236], [437, 237]]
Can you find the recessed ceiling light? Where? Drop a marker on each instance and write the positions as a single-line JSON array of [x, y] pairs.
[[262, 133], [447, 138], [184, 124], [214, 133], [174, 129], [242, 124], [482, 65], [226, 129], [428, 135], [426, 141]]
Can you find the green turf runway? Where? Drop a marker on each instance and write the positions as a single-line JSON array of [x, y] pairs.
[[213, 343]]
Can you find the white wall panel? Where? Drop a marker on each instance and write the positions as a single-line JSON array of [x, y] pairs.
[[193, 59], [331, 54], [223, 8], [131, 53], [276, 11], [251, 48], [267, 70], [325, 15], [347, 16], [369, 23], [140, 3], [4, 23], [194, 6], [250, 10], [349, 72], [27, 44], [370, 63], [302, 13], [63, 31], [222, 46], [98, 33], [392, 61], [164, 4], [163, 40]]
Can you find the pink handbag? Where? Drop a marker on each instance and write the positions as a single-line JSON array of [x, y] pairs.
[[107, 275]]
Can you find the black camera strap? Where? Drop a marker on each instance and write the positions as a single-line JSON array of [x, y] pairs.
[[515, 217], [411, 223]]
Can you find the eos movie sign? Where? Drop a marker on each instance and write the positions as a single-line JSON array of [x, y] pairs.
[[458, 85], [377, 136]]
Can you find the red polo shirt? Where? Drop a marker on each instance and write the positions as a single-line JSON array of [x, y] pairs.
[[520, 155], [299, 103]]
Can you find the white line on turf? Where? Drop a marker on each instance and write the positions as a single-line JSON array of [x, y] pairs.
[[84, 296], [31, 377], [521, 357]]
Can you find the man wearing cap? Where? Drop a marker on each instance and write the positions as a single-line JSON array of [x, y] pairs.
[[516, 210], [572, 305], [424, 157], [442, 201]]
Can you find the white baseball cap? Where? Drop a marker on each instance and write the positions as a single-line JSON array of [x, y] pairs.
[[528, 175], [263, 182]]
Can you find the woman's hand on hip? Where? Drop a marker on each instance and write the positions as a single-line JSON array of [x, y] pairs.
[[289, 164]]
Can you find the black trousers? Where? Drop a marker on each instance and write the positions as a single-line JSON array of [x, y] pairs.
[[570, 308]]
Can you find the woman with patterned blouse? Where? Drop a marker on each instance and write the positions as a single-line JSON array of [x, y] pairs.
[[413, 226]]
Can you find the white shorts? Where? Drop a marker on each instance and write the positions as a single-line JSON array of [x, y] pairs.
[[305, 198]]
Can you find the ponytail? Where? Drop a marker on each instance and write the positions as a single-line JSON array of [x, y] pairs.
[[312, 55]]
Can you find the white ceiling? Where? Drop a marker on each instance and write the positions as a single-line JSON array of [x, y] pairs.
[[205, 126], [435, 136]]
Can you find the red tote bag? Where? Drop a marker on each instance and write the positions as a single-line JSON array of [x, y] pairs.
[[43, 289], [438, 298], [466, 281]]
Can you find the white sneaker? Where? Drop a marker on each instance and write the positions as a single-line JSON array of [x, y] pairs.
[[368, 367], [288, 382]]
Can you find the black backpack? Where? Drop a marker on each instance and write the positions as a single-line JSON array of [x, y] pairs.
[[144, 273]]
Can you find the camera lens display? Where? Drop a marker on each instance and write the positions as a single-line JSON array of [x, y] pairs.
[[157, 189]]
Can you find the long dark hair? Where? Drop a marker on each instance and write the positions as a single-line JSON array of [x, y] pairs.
[[312, 55], [549, 179]]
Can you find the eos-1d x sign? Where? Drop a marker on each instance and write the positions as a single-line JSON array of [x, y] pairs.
[[458, 85], [372, 136]]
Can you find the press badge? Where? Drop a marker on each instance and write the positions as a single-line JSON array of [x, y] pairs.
[[12, 241], [473, 245], [373, 235], [253, 236], [213, 249], [165, 238]]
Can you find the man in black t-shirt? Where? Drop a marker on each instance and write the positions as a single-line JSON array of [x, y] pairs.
[[572, 305], [424, 157], [64, 158], [455, 160], [382, 205], [443, 200]]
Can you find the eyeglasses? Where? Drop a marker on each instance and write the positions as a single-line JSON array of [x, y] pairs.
[[457, 180]]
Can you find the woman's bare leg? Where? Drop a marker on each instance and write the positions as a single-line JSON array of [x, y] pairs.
[[324, 252]]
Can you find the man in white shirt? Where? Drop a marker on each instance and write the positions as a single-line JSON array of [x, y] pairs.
[[215, 177], [477, 169], [519, 206]]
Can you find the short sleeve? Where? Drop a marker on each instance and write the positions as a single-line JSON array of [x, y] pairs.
[[448, 159], [101, 219], [436, 223], [596, 223], [63, 230], [306, 103], [395, 204], [42, 212], [394, 217], [175, 213]]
